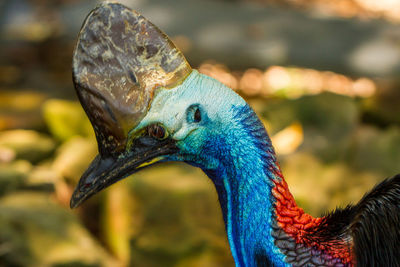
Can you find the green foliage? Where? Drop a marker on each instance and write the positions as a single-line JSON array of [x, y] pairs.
[[66, 119], [169, 215], [377, 150], [328, 121], [38, 232], [13, 176]]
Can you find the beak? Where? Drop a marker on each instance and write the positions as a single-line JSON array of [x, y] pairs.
[[104, 171]]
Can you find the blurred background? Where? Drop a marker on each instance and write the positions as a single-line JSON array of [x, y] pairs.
[[322, 74]]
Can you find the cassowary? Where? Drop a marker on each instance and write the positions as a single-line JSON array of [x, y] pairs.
[[147, 106]]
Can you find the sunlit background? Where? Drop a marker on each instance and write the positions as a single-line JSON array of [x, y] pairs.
[[322, 74]]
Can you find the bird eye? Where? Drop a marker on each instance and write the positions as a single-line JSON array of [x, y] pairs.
[[197, 115], [157, 131]]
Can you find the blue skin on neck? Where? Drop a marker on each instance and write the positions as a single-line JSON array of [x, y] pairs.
[[231, 145], [243, 183]]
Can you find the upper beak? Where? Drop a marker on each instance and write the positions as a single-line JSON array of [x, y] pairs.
[[104, 171]]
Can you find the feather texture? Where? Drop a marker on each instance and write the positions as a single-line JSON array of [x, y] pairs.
[[122, 66], [376, 226]]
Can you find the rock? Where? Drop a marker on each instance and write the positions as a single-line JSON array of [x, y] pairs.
[[66, 119], [28, 144]]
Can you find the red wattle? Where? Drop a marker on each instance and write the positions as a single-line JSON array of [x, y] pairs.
[[295, 222]]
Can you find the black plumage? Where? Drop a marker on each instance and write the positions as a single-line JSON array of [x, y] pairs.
[[371, 227], [375, 227]]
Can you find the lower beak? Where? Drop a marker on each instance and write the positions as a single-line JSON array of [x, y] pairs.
[[103, 172]]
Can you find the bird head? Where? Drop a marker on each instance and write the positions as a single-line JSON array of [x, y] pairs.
[[144, 101]]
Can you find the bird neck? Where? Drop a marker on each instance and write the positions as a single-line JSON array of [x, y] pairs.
[[261, 216], [246, 174]]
